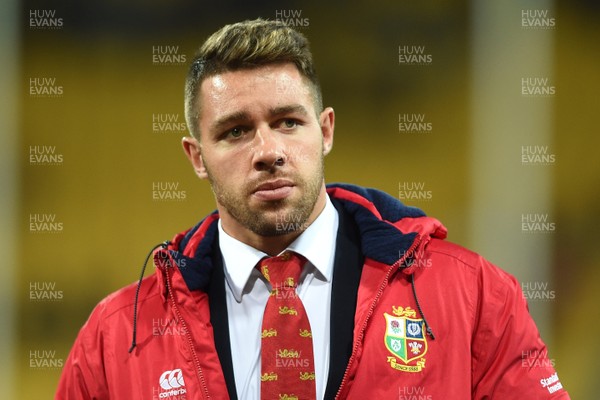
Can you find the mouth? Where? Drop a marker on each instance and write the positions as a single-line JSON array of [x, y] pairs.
[[273, 190]]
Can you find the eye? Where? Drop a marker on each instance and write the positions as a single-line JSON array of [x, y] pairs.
[[235, 132], [289, 123]]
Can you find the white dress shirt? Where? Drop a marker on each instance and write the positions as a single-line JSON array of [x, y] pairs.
[[247, 292]]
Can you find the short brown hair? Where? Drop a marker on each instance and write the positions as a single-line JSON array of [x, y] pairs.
[[247, 45]]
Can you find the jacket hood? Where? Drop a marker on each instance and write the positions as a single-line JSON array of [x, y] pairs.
[[389, 231]]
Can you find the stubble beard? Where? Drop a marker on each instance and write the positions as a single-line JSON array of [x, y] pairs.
[[275, 218]]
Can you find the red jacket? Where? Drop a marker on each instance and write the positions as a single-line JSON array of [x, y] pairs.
[[432, 320]]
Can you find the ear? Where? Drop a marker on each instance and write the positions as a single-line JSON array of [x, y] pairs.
[[193, 151], [327, 122]]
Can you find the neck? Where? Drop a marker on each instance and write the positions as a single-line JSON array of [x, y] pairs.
[[271, 245]]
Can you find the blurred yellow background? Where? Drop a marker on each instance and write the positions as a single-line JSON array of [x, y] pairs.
[[99, 193]]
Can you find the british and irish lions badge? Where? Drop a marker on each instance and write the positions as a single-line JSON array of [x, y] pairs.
[[405, 339]]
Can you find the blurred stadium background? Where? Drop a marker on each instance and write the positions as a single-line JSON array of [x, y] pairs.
[[104, 65]]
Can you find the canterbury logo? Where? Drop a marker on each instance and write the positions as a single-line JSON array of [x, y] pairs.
[[171, 379]]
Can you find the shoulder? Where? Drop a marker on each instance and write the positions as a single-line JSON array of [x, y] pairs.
[[461, 270], [123, 300], [467, 259]]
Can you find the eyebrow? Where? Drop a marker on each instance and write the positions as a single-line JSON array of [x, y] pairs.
[[240, 116], [243, 116], [289, 109]]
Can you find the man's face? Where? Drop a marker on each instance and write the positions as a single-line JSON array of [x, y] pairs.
[[262, 147]]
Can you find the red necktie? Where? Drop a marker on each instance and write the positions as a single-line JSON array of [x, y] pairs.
[[287, 361]]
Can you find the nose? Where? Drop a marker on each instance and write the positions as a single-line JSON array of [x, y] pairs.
[[268, 150]]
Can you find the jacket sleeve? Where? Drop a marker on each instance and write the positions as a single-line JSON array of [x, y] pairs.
[[83, 376], [509, 359]]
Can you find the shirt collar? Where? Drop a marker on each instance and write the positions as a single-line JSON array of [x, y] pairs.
[[316, 244]]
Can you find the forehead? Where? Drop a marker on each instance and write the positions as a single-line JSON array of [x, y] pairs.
[[253, 89]]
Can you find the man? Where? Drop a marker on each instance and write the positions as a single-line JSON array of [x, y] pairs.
[[390, 309]]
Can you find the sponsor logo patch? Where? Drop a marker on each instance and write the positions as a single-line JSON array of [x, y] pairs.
[[172, 385]]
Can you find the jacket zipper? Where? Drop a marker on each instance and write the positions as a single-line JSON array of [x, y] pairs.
[[372, 309], [187, 333]]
